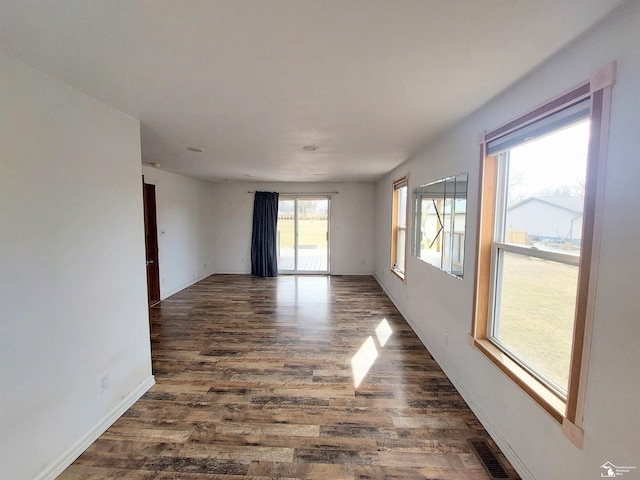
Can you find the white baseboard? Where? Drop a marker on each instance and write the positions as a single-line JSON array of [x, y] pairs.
[[352, 274], [484, 419], [343, 274], [67, 458], [233, 272], [173, 291]]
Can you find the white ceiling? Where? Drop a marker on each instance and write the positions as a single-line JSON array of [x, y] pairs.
[[253, 81]]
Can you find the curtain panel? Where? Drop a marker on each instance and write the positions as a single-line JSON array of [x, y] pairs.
[[264, 253]]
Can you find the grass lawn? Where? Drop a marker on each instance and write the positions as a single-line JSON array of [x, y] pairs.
[[312, 233], [537, 312]]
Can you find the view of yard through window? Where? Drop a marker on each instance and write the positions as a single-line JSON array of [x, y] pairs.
[[313, 233], [537, 313], [312, 240]]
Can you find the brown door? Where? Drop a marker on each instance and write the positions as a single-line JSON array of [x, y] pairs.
[[151, 243]]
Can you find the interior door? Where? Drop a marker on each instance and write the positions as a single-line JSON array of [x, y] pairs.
[[151, 243], [303, 234]]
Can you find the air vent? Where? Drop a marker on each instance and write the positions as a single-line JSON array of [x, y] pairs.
[[489, 461]]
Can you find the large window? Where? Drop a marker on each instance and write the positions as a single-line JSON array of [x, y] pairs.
[[536, 244], [540, 198], [399, 227]]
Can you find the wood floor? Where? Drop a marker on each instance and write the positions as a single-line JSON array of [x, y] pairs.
[[256, 379]]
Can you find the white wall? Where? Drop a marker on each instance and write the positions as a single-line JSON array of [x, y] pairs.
[[436, 303], [72, 275], [351, 224], [184, 208]]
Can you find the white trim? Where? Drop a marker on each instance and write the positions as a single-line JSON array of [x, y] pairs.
[[67, 458], [150, 181], [296, 198], [603, 77], [558, 257], [608, 71], [573, 432], [484, 419], [486, 422], [165, 295]]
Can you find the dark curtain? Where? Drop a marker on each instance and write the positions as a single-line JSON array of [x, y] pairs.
[[264, 254]]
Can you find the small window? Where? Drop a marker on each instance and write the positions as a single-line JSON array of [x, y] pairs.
[[399, 227], [540, 220]]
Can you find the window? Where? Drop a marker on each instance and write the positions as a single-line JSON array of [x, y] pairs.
[[536, 244], [399, 227], [540, 214], [439, 226]]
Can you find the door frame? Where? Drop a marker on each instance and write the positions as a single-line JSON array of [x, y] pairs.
[[296, 198], [151, 242]]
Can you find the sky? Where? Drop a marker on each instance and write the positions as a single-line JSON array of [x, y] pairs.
[[554, 162]]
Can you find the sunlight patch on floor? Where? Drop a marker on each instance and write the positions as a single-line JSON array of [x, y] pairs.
[[365, 357], [363, 360], [383, 332]]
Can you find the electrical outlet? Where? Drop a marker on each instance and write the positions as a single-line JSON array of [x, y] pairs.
[[446, 338], [105, 382]]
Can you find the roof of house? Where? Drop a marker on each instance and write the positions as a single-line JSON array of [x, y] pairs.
[[572, 204]]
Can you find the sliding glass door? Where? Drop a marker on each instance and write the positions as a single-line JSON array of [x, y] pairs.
[[303, 234]]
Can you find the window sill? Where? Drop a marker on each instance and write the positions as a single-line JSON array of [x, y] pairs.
[[554, 406], [398, 274]]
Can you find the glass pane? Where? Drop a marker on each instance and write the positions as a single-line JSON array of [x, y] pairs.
[[440, 217], [545, 190], [286, 235], [400, 249], [457, 242], [448, 219], [536, 313], [313, 228], [402, 206], [431, 224]]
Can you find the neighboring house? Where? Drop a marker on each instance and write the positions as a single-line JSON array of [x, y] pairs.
[[551, 219]]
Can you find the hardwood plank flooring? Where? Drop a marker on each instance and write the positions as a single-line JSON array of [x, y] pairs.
[[290, 377]]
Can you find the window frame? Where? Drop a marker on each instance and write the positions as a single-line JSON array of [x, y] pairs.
[[395, 228], [500, 247], [570, 411]]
